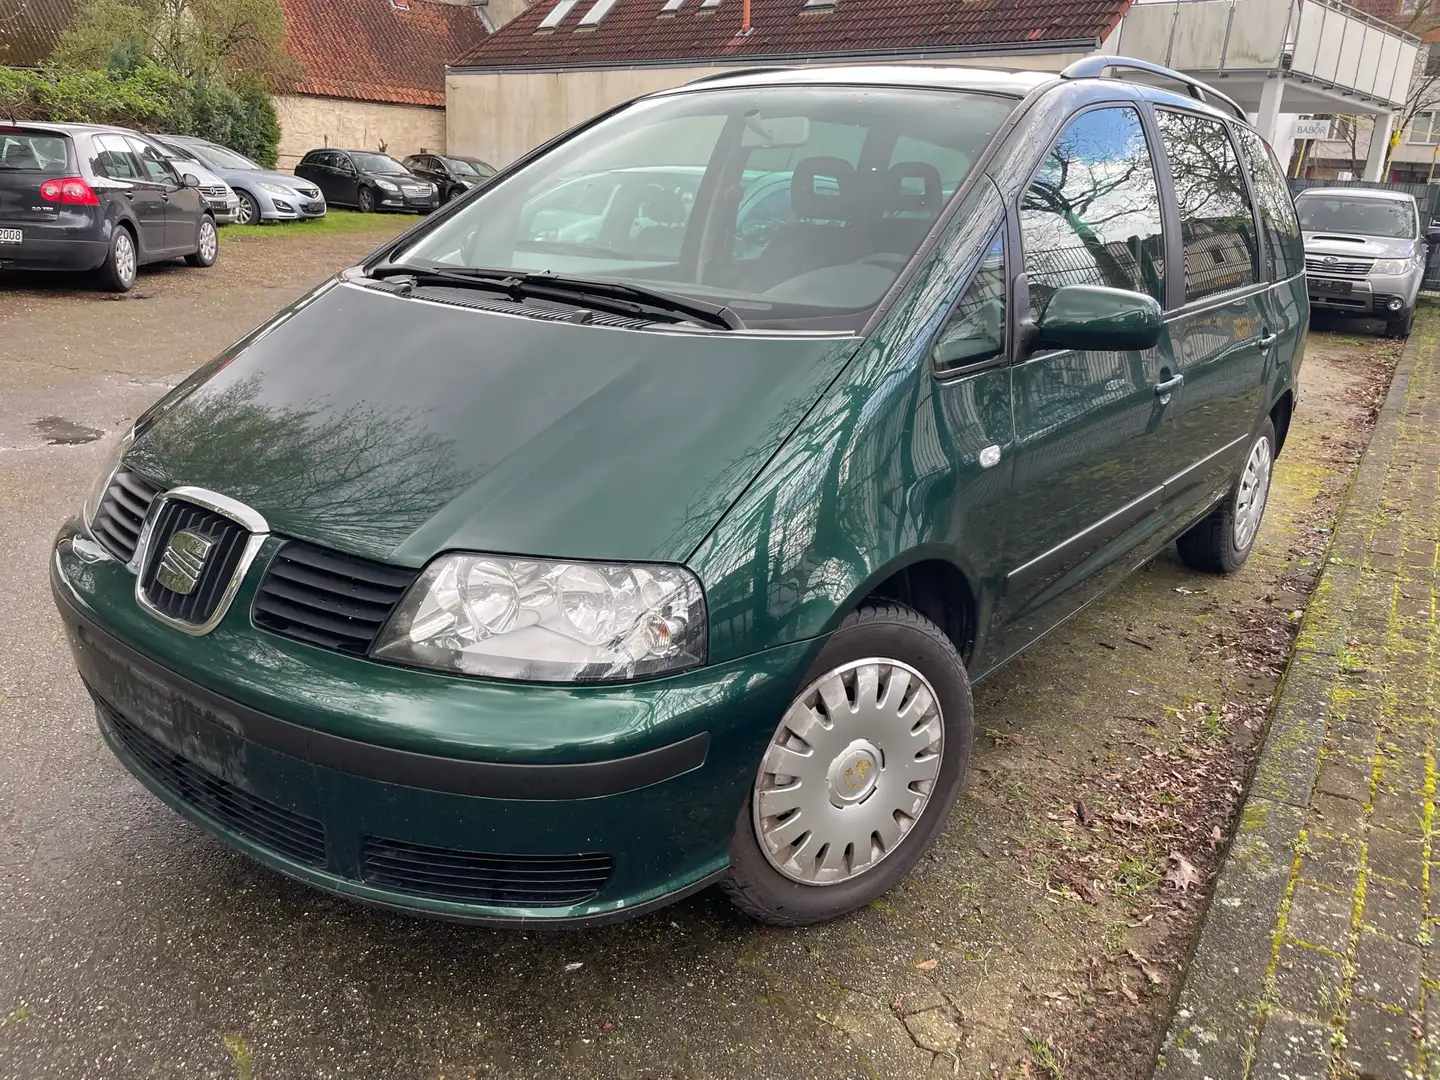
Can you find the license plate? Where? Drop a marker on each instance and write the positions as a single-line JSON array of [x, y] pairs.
[[1334, 286], [11, 236]]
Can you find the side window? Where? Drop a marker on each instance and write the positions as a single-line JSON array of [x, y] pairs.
[[1092, 214], [975, 330], [157, 169], [1284, 247], [113, 158], [1216, 222]]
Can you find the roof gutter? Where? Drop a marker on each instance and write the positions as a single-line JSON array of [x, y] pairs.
[[942, 52]]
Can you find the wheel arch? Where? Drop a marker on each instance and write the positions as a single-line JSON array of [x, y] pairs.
[[932, 583], [1280, 415]]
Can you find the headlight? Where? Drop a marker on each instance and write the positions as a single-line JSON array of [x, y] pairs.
[[1391, 267], [277, 189], [545, 621], [386, 185], [107, 473]]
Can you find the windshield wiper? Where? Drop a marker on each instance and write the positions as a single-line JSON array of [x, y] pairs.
[[611, 296]]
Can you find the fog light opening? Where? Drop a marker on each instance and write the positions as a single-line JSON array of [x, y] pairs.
[[1396, 303]]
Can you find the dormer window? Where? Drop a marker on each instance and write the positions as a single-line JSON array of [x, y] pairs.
[[557, 14], [598, 11]]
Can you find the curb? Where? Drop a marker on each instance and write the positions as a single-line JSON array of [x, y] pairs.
[[1214, 1029]]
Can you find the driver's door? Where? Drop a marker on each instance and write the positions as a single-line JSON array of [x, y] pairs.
[[344, 179], [183, 205]]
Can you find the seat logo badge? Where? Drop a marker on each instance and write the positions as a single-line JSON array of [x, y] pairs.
[[183, 562], [1331, 260], [989, 456]]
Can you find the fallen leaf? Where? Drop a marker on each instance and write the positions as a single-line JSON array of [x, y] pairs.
[[1083, 813], [1130, 995], [927, 965], [1182, 873], [574, 965]]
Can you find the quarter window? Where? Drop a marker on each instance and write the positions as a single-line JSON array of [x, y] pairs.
[[975, 330], [1216, 220], [1092, 214], [1284, 247]]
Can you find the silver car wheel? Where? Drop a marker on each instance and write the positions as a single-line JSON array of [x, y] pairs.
[[245, 213], [208, 241], [1254, 490], [848, 772], [124, 257]]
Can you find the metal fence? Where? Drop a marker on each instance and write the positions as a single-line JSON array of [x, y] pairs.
[[1427, 197]]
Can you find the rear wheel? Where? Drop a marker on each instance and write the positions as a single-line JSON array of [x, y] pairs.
[[1400, 326], [249, 211], [366, 201], [207, 245], [1221, 542], [117, 272], [859, 776]]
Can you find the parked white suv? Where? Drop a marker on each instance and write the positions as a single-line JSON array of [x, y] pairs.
[[1365, 253]]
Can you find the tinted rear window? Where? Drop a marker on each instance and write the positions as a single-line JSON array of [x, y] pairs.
[[41, 151]]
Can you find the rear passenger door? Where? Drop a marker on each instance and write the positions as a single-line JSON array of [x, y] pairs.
[[1221, 331], [1094, 442], [116, 162]]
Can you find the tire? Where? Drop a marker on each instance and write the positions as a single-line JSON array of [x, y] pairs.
[[1216, 544], [1401, 326], [881, 639], [117, 272], [249, 212], [365, 201], [451, 194], [207, 244]]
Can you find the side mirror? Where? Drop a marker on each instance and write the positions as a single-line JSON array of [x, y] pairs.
[[190, 180], [1093, 317], [1432, 234]]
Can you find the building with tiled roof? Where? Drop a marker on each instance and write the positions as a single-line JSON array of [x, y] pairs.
[[374, 71], [29, 29]]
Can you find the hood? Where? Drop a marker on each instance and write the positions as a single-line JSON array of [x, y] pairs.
[[1356, 246], [397, 428], [265, 176]]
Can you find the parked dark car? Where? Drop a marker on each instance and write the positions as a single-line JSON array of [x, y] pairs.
[[514, 578], [367, 180], [90, 197], [452, 175]]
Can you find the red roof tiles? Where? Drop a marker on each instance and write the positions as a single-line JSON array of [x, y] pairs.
[[373, 50], [635, 32], [29, 29]]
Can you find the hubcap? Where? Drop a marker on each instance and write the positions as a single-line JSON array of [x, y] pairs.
[[247, 211], [124, 257], [207, 241], [1254, 490], [849, 771]]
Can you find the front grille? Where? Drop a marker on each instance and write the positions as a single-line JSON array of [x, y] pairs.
[[293, 835], [214, 191], [1350, 269], [209, 571], [308, 192], [122, 513], [415, 191], [507, 880], [328, 599]]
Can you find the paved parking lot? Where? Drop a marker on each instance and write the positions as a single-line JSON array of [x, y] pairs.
[[1040, 939]]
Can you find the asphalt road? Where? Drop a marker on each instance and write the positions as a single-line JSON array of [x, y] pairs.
[[132, 945]]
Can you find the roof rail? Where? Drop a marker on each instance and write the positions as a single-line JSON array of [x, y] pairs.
[[1095, 67], [739, 72]]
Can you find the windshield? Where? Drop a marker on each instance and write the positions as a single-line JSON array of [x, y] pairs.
[[217, 157], [460, 168], [378, 163], [1389, 218], [795, 207], [22, 151]]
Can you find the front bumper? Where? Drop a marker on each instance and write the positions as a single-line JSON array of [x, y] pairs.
[[1371, 295], [402, 201], [296, 209], [313, 762], [224, 211]]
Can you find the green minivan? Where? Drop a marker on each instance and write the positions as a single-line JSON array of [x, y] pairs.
[[535, 574]]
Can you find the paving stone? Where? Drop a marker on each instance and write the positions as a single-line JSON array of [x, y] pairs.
[[1344, 778], [1291, 1049], [1354, 741], [1395, 855], [1309, 982], [1404, 772], [1379, 1044], [1397, 910], [1331, 861], [1387, 970], [1285, 769], [1331, 816], [1321, 918]]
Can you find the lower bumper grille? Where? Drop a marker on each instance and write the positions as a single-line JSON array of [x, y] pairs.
[[292, 835], [508, 880]]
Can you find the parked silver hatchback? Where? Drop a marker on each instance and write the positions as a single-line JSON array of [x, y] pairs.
[[1365, 253]]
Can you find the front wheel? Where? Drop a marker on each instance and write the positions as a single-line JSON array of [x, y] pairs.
[[366, 201], [1221, 541], [248, 213], [860, 774], [207, 245], [1401, 325]]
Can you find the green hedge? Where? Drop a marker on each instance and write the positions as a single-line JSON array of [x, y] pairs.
[[148, 98]]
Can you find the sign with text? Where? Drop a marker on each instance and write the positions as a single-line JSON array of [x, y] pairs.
[[1312, 129]]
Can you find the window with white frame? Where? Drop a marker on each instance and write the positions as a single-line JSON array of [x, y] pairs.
[[1425, 129]]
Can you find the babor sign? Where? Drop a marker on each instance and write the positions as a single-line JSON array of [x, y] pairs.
[[1312, 129]]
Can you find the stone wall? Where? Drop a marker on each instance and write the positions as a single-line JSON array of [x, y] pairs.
[[307, 123]]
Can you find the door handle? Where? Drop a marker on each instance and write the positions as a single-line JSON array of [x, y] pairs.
[[130, 195], [1164, 388], [164, 196], [1268, 340]]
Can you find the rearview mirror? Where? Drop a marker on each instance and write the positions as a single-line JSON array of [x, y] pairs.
[[777, 131], [1093, 317]]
